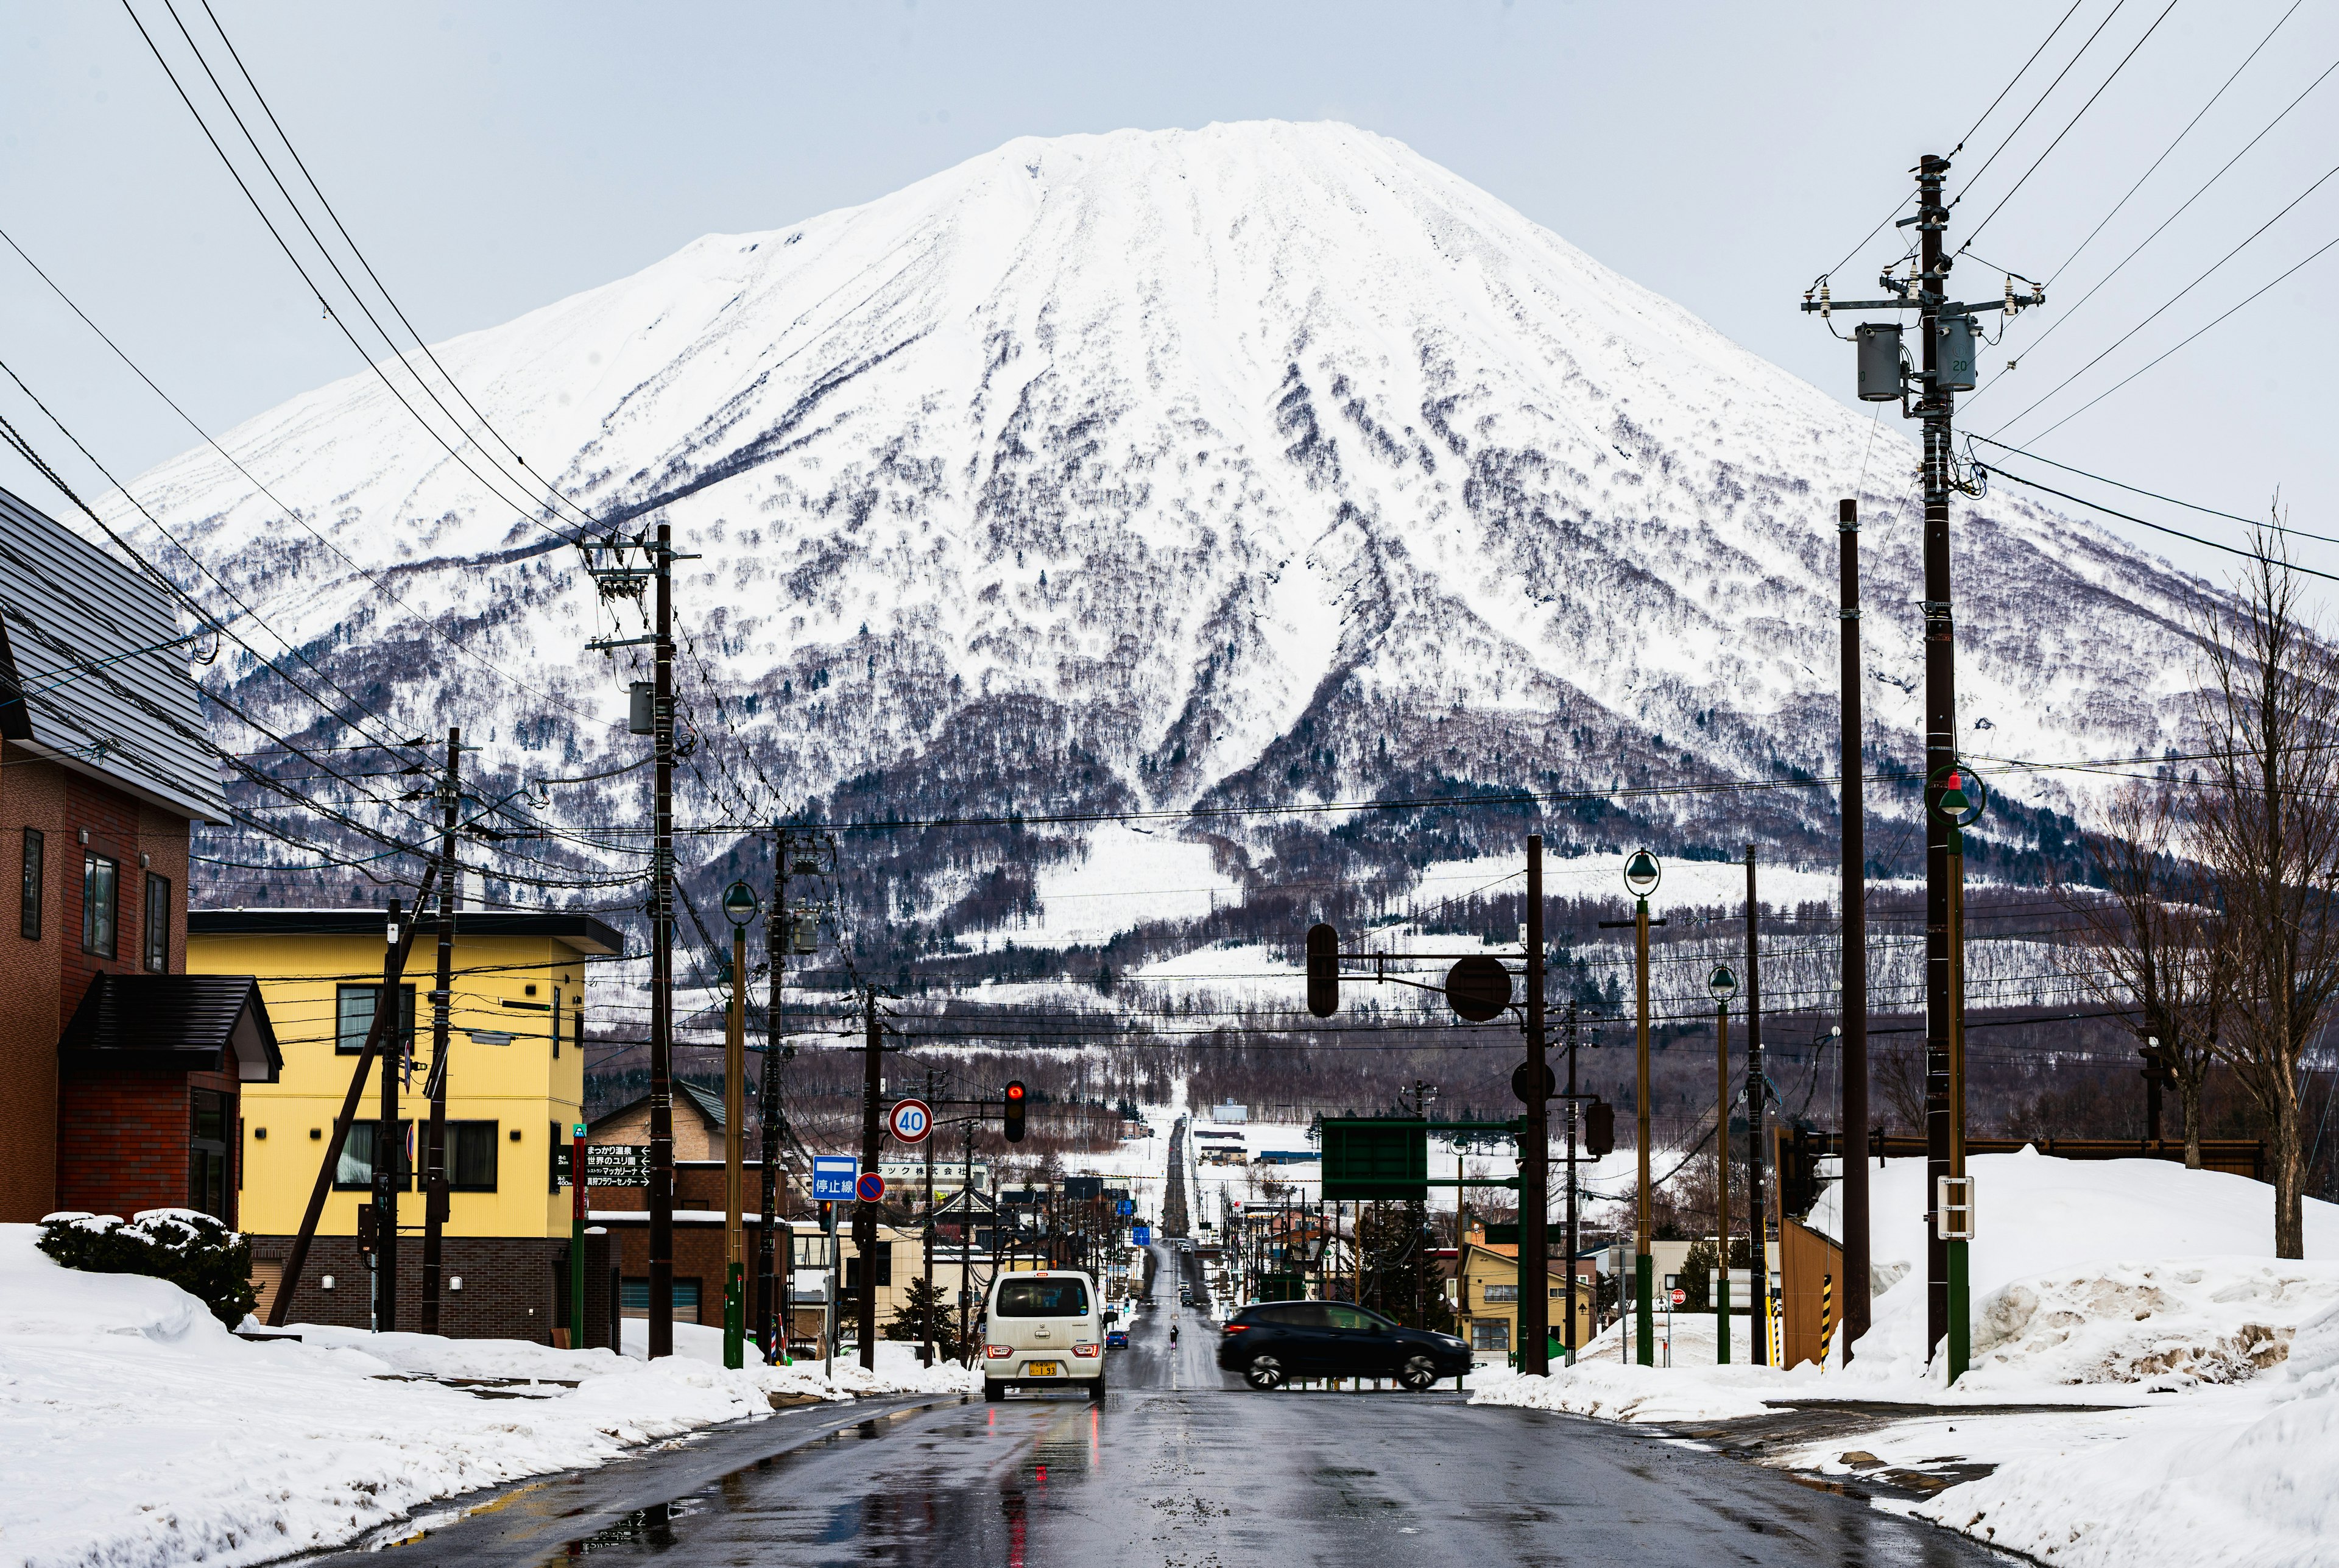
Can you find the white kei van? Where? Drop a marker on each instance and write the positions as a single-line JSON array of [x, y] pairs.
[[1044, 1329]]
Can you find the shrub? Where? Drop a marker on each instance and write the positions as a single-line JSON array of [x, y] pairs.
[[193, 1251]]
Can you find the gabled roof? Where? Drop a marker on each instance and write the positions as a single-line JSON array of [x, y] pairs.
[[93, 668], [709, 1105], [181, 1021]]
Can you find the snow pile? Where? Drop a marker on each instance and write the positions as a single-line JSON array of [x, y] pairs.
[[1614, 1391], [2168, 1325], [139, 1430], [2234, 1476]]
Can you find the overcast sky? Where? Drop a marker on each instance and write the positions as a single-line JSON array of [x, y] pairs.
[[491, 159]]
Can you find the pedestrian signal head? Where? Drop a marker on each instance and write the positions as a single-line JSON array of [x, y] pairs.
[[1016, 1103], [1323, 969], [1600, 1129]]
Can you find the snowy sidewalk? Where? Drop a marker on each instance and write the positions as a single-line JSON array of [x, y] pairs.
[[139, 1430]]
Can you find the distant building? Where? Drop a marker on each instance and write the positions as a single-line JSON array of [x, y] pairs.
[[514, 1089], [1487, 1297], [123, 1076], [1230, 1112]]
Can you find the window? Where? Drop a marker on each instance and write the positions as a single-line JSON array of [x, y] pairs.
[[35, 862], [1494, 1293], [157, 927], [1490, 1334], [471, 1156], [354, 1170], [100, 903], [353, 1016], [634, 1299], [207, 1153], [1042, 1298]]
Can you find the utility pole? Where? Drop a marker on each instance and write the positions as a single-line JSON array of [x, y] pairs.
[[1854, 1120], [1947, 333], [1535, 1147], [771, 1285], [1572, 1239], [389, 1142], [1642, 874], [926, 1316], [1757, 1240], [661, 1330], [435, 1202], [966, 1240], [864, 1214], [1723, 985], [734, 1134]]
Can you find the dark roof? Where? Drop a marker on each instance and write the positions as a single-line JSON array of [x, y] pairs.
[[94, 670], [581, 931], [709, 1104], [174, 1021]]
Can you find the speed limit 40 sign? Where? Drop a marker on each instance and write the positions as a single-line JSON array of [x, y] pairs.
[[910, 1121]]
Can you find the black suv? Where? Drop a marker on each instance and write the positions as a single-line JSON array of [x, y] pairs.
[[1276, 1340]]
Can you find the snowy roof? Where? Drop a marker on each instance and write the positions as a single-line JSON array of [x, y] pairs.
[[93, 668]]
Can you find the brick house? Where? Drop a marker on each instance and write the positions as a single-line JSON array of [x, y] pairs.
[[122, 1078]]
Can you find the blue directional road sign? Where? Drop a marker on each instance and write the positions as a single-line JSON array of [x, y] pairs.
[[833, 1176], [1128, 1206], [1141, 1234]]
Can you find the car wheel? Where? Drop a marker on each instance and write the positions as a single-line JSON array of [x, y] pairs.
[[1096, 1389], [1264, 1372], [1419, 1373], [993, 1391]]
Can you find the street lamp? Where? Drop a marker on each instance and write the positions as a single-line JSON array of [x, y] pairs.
[[1642, 874]]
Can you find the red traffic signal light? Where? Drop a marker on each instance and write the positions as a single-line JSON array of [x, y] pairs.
[[1015, 1106]]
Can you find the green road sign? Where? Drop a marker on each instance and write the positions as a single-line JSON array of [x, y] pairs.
[[1374, 1159]]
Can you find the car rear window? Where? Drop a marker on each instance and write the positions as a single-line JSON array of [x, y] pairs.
[[1042, 1298]]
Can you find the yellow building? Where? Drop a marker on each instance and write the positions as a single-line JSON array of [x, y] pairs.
[[1486, 1282], [515, 1088]]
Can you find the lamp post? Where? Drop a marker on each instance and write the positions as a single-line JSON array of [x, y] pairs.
[[1722, 985], [1959, 800], [1641, 874]]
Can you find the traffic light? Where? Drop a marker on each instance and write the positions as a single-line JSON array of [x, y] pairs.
[[1015, 1108], [1323, 969], [1599, 1128]]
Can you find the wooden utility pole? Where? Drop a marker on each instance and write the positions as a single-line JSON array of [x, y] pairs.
[[1757, 1252], [776, 1236], [864, 1213], [1535, 1146], [389, 1143], [1721, 1180], [1644, 1266], [1935, 401], [926, 1316], [735, 1137], [435, 1200], [1855, 940], [1574, 1121], [661, 1195]]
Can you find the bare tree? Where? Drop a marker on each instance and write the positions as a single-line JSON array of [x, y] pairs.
[[2266, 824], [2154, 945]]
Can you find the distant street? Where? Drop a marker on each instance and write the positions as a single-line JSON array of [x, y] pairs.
[[1182, 1466]]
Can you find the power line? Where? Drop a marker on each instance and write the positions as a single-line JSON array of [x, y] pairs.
[[2168, 304], [2155, 495], [2065, 130], [2163, 527], [2008, 140], [2174, 143]]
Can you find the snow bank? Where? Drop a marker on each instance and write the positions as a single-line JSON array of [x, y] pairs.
[[140, 1431], [1616, 1392]]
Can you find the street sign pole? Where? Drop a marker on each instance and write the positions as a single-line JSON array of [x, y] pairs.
[[578, 1211]]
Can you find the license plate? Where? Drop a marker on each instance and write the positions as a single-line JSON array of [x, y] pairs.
[[1044, 1369]]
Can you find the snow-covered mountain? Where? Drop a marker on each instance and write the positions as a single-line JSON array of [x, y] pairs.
[[1265, 462]]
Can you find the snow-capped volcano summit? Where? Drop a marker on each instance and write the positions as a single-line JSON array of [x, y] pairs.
[[1265, 461]]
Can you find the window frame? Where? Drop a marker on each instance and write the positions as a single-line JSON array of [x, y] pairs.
[[454, 1144], [207, 1158], [371, 1125], [34, 872], [343, 1044], [91, 906], [156, 924]]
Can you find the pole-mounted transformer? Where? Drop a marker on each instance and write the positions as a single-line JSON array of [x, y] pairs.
[[1955, 367], [1879, 360]]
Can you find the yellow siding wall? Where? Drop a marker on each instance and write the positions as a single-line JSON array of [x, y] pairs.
[[520, 1086]]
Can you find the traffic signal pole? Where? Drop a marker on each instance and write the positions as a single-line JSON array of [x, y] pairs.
[[864, 1213], [735, 1132], [1535, 1149]]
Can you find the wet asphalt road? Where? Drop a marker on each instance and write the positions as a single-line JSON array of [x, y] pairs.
[[1181, 1466]]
